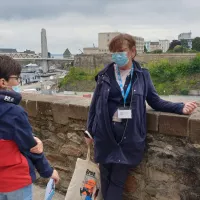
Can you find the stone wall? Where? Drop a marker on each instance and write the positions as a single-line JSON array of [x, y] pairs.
[[103, 59], [85, 60], [145, 58], [169, 171]]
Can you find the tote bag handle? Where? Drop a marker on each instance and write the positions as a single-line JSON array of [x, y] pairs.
[[89, 153]]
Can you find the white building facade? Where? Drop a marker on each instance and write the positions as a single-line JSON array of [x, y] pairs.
[[154, 46], [164, 45], [90, 50], [105, 38], [186, 36]]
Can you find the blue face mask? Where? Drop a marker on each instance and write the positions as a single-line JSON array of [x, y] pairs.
[[16, 88], [120, 58]]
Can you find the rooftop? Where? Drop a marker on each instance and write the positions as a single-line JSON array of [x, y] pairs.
[[2, 50], [154, 43]]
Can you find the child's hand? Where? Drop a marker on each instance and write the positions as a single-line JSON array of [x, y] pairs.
[[55, 176], [38, 149]]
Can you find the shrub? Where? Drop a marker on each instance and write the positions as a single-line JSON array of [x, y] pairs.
[[79, 74], [184, 91], [168, 77]]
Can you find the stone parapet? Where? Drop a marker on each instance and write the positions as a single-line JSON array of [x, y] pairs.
[[171, 166], [94, 60]]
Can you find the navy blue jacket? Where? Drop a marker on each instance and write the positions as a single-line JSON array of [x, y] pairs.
[[131, 149], [17, 164]]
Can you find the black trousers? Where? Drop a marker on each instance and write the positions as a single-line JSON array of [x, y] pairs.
[[113, 178]]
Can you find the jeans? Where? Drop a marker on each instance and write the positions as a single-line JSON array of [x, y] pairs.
[[21, 194], [113, 178]]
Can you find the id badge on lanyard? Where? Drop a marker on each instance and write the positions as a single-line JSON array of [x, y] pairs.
[[124, 112]]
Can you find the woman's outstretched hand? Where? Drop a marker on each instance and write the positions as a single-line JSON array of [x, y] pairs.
[[189, 107]]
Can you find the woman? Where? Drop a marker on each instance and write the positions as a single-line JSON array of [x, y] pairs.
[[117, 116]]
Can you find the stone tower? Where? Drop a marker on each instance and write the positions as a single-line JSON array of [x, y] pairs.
[[44, 50]]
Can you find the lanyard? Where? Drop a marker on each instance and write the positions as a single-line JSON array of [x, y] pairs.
[[124, 95]]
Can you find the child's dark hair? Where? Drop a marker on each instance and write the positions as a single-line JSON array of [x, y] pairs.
[[9, 67]]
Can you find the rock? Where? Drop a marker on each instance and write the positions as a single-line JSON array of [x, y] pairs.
[[49, 143], [61, 136], [71, 150], [77, 127], [74, 138], [151, 191]]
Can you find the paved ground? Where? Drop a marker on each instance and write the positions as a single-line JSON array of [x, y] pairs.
[[39, 193]]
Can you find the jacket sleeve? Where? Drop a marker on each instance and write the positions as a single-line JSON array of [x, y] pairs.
[[41, 164], [157, 103], [92, 110], [23, 132], [25, 141]]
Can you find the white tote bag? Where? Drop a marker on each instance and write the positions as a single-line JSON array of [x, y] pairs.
[[85, 182]]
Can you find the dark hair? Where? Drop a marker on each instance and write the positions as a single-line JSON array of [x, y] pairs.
[[9, 67], [118, 41]]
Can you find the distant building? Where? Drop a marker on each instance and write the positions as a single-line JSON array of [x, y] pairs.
[[29, 51], [67, 54], [164, 45], [49, 55], [187, 37], [147, 45], [139, 44], [5, 51], [105, 38], [154, 46], [14, 54], [30, 74], [90, 50]]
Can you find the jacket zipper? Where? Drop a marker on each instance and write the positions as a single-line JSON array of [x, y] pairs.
[[129, 107]]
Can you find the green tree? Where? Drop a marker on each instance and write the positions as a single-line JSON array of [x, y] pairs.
[[157, 51], [179, 49], [173, 44], [196, 44], [184, 43]]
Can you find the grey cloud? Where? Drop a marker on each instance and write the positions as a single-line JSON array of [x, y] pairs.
[[24, 9], [134, 10], [76, 23]]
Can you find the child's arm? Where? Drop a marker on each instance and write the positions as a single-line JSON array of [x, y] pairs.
[[39, 147], [25, 140], [41, 164], [23, 132]]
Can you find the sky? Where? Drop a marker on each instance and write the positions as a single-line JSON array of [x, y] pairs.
[[75, 24]]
